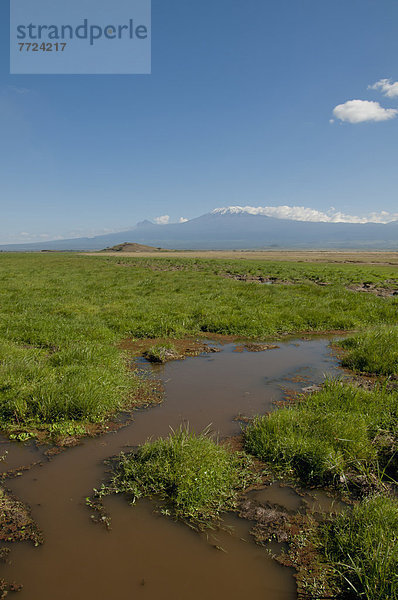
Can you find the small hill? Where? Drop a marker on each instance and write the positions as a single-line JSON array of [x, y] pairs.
[[131, 247]]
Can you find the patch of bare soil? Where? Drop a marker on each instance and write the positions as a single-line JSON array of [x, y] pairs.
[[305, 256], [273, 523], [270, 520], [16, 523], [388, 291], [6, 587], [154, 267], [253, 347], [170, 349], [371, 288], [256, 279], [132, 248]]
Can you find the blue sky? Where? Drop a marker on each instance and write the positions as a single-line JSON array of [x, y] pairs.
[[237, 111]]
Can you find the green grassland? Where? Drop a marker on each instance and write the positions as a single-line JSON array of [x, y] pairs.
[[62, 317], [297, 272]]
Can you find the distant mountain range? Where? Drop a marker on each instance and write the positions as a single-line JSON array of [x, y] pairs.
[[228, 229]]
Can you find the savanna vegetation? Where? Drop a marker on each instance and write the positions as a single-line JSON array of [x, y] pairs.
[[63, 316], [296, 272]]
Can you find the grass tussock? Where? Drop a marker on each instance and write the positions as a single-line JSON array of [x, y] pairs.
[[161, 353], [374, 351], [362, 547], [196, 477], [330, 435]]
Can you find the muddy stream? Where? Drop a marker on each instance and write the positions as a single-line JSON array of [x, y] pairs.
[[145, 555]]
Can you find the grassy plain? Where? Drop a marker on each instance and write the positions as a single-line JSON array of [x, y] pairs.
[[62, 318], [323, 256]]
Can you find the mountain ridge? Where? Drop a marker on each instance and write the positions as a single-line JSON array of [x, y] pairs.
[[234, 231]]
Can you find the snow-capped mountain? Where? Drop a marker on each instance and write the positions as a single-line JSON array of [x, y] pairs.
[[237, 227], [302, 213]]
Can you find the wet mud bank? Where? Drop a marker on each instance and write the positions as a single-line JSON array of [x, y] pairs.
[[144, 554]]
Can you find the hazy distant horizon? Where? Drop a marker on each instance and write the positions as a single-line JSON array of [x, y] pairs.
[[293, 213]]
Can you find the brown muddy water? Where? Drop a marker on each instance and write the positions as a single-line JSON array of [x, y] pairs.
[[145, 555]]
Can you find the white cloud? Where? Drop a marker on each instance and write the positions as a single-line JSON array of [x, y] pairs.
[[359, 111], [182, 220], [164, 220], [301, 213], [387, 87]]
